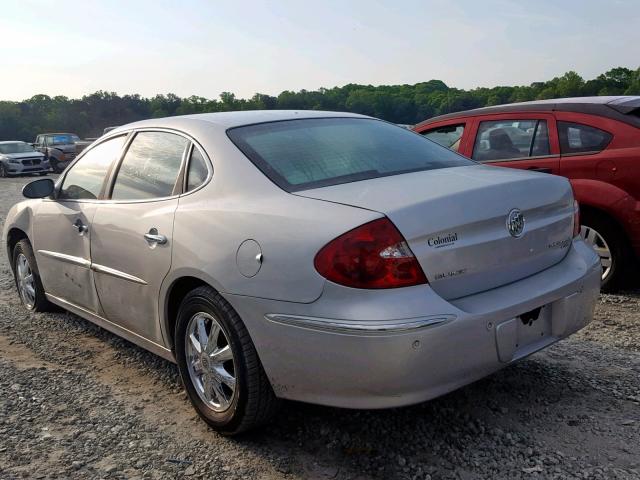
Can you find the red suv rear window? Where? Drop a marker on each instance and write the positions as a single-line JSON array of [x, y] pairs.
[[579, 138]]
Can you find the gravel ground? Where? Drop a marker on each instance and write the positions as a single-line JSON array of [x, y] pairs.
[[79, 402]]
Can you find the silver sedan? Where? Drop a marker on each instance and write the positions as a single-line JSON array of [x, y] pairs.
[[322, 257], [20, 158]]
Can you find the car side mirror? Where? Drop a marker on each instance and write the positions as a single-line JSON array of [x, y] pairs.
[[39, 188]]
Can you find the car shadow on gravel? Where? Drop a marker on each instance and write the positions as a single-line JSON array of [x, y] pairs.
[[511, 413], [516, 414]]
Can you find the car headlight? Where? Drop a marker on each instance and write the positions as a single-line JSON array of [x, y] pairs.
[[14, 160]]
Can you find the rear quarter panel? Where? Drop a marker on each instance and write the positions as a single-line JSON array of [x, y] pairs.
[[240, 204], [608, 180], [618, 164]]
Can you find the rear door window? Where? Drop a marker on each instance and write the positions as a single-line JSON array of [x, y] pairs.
[[579, 138], [150, 167], [511, 139], [448, 136]]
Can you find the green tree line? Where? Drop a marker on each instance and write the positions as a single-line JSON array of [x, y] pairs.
[[407, 104]]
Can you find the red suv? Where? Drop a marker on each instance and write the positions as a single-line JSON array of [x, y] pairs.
[[593, 141]]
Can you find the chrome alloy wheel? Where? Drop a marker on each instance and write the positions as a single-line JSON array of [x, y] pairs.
[[210, 361], [597, 242], [26, 282]]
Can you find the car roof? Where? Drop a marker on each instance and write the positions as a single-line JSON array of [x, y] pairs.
[[226, 120], [623, 108]]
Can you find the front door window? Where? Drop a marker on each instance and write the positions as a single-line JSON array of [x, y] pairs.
[[86, 178]]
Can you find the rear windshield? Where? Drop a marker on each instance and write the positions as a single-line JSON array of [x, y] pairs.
[[309, 153], [17, 147]]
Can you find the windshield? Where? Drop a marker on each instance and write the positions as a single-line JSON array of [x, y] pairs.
[[64, 139], [310, 153], [15, 147]]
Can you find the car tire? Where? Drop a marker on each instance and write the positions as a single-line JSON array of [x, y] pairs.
[[611, 244], [212, 346], [55, 166], [30, 290]]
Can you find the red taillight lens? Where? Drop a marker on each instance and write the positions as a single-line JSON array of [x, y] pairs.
[[576, 218], [374, 255]]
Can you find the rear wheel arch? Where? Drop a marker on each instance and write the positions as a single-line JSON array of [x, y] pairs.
[[597, 194], [589, 211], [175, 293], [617, 241], [602, 198]]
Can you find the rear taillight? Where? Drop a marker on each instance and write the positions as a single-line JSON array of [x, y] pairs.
[[374, 255], [576, 218]]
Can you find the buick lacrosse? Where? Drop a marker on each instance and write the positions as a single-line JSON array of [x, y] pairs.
[[324, 257]]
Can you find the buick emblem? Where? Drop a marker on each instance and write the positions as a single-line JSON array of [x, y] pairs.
[[515, 223]]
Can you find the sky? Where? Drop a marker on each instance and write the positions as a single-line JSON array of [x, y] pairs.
[[205, 47]]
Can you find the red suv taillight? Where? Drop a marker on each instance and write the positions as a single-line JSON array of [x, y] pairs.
[[373, 255]]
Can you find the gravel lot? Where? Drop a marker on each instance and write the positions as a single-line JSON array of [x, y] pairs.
[[77, 401]]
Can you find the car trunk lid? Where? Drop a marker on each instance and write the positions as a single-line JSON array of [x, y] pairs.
[[456, 222]]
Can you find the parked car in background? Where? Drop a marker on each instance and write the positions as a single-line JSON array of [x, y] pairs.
[[324, 257], [20, 158], [104, 132], [60, 148], [593, 141]]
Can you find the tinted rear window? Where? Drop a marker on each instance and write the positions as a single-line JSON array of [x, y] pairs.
[[310, 153], [578, 138]]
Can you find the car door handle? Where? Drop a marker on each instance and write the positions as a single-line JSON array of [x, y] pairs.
[[540, 169], [80, 227], [154, 238]]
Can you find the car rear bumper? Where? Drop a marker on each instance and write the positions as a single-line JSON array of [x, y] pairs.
[[362, 349]]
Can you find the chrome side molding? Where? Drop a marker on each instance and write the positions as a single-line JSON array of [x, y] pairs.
[[81, 262], [116, 273], [366, 327]]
